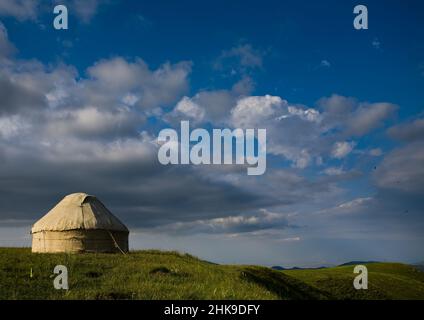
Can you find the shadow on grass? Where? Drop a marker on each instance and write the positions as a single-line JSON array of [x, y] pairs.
[[286, 287], [165, 271]]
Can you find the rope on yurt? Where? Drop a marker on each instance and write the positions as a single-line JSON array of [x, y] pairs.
[[44, 240], [116, 244]]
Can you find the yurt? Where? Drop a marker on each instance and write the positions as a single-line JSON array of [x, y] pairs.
[[79, 223]]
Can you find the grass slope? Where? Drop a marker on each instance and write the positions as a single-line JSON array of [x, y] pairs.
[[385, 281], [170, 275]]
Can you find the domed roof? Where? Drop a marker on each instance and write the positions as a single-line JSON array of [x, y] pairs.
[[79, 211]]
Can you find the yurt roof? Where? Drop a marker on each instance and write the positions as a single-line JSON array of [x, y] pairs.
[[79, 211]]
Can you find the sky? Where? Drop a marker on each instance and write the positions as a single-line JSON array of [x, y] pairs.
[[81, 109]]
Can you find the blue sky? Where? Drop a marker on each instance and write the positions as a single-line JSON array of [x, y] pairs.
[[82, 108], [293, 37]]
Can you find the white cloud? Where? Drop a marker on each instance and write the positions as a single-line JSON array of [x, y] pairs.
[[20, 9], [12, 126], [325, 64], [30, 9], [354, 118], [289, 129], [351, 207], [86, 9], [403, 169], [337, 104], [232, 225], [376, 152], [91, 121], [411, 131], [112, 102], [301, 160], [354, 203], [292, 239], [186, 109], [368, 117], [212, 106], [334, 171], [251, 112], [246, 55], [310, 114], [154, 88], [342, 149], [130, 99], [298, 133], [6, 48], [376, 44]]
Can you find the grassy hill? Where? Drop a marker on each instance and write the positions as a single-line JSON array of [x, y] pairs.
[[170, 275]]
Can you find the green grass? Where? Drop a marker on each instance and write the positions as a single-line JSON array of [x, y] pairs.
[[171, 275], [385, 281]]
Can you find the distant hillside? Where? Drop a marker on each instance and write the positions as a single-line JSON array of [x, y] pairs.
[[419, 266], [280, 268], [355, 263], [170, 275], [385, 281]]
